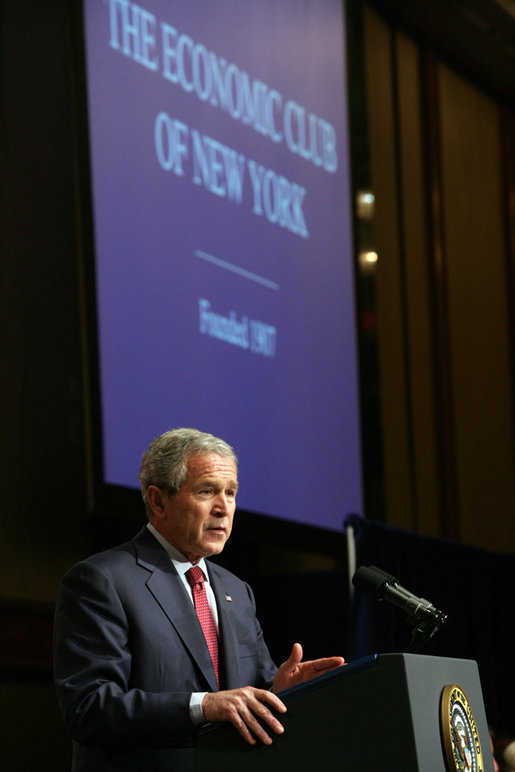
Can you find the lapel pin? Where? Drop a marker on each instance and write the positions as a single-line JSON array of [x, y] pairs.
[[228, 597]]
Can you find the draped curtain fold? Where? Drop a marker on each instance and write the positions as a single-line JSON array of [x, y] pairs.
[[475, 587]]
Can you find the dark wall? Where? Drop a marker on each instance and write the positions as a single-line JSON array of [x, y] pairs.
[[43, 470]]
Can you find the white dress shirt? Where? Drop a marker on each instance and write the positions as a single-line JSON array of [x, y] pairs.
[[182, 565]]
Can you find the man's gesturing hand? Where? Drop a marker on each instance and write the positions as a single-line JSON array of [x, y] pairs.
[[243, 707], [294, 671]]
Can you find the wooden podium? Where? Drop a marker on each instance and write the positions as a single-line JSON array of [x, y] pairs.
[[379, 714]]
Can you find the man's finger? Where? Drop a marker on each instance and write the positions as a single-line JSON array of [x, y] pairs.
[[249, 723], [263, 696], [246, 708], [245, 732], [295, 656], [328, 663], [256, 730]]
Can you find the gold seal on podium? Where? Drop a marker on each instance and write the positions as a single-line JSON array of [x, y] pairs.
[[459, 732]]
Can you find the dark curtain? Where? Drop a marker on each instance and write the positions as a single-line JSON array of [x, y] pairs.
[[310, 608], [475, 587]]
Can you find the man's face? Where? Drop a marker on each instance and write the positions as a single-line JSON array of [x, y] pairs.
[[197, 520]]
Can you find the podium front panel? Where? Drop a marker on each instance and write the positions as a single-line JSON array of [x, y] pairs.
[[382, 713]]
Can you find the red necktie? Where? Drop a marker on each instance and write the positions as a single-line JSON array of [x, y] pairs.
[[196, 579]]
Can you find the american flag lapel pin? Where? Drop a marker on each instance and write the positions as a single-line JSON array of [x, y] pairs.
[[228, 597]]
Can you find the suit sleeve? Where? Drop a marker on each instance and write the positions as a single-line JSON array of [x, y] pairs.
[[266, 666], [92, 667]]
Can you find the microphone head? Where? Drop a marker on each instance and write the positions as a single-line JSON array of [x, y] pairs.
[[372, 580]]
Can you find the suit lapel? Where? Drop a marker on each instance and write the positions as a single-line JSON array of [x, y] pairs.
[[166, 586], [226, 614]]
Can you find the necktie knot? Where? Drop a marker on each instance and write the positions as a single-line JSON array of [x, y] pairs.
[[195, 576]]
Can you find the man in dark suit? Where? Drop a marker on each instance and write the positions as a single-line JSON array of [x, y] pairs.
[[143, 657]]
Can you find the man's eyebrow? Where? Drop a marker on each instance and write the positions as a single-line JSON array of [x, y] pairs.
[[210, 481]]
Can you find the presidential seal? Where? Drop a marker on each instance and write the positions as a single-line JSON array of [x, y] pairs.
[[459, 732]]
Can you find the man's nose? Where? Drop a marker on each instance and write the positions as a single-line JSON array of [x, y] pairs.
[[222, 504]]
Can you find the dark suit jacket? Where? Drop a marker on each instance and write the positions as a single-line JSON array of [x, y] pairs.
[[129, 650]]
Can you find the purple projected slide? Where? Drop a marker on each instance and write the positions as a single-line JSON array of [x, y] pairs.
[[223, 245]]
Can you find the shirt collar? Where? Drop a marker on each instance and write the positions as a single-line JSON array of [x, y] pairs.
[[180, 561]]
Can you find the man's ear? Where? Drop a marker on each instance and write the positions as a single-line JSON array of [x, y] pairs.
[[156, 498]]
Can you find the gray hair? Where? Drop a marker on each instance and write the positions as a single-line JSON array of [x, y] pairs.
[[165, 462]]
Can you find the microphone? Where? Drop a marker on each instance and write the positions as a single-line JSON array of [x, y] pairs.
[[383, 586]]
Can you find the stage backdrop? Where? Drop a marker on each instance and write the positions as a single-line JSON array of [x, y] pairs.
[[223, 246]]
